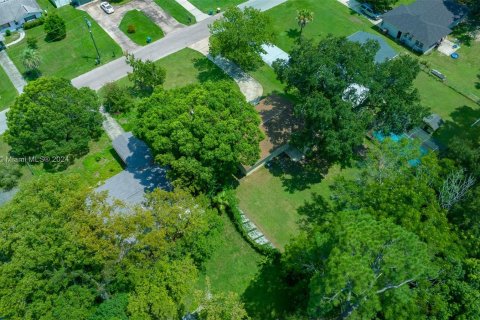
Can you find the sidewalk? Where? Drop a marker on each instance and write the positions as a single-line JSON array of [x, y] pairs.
[[250, 88], [199, 15], [12, 71], [22, 36]]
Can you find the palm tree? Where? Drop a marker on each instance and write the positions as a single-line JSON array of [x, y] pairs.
[[31, 60], [304, 16]]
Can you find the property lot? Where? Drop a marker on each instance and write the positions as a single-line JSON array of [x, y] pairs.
[[73, 55], [176, 11]]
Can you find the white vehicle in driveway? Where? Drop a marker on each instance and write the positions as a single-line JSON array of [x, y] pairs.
[[107, 7]]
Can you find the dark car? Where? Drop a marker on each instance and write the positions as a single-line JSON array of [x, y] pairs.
[[367, 10]]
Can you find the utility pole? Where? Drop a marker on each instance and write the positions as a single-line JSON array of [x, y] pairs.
[[89, 25]]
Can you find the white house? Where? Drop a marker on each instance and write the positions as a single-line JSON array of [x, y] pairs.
[[14, 13], [423, 24]]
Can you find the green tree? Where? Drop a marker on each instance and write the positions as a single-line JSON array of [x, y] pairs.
[[116, 98], [304, 17], [393, 94], [32, 43], [357, 267], [225, 305], [202, 132], [239, 36], [70, 254], [146, 75], [52, 118], [382, 5], [55, 27], [10, 173], [31, 60]]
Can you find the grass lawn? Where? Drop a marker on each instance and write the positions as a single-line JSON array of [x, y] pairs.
[[144, 27], [12, 37], [233, 264], [73, 55], [98, 165], [463, 73], [177, 11], [271, 197], [7, 90], [207, 5]]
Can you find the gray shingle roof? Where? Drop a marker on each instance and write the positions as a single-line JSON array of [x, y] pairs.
[[427, 20], [141, 174], [383, 54], [14, 10]]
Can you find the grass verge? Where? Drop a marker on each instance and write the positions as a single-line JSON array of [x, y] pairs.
[[178, 12], [142, 25], [7, 91]]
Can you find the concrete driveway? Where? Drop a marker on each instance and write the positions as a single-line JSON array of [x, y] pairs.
[[111, 22]]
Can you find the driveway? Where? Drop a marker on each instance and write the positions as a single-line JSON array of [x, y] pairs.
[[111, 22]]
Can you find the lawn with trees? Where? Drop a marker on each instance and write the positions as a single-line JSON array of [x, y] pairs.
[[7, 90], [73, 55], [137, 26], [210, 6]]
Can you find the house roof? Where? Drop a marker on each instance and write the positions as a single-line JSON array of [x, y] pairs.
[[383, 54], [133, 151], [426, 20], [14, 10]]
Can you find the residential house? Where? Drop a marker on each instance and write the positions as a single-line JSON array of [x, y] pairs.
[[423, 24], [14, 13]]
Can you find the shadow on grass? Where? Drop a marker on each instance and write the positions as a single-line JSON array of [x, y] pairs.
[[477, 84], [208, 71], [293, 33], [314, 211], [297, 176], [461, 125], [267, 296], [32, 74]]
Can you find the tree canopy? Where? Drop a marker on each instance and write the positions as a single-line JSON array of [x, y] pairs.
[[239, 36], [55, 27], [53, 119], [146, 75], [66, 253], [203, 132], [342, 92]]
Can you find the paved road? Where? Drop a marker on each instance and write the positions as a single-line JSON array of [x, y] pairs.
[[173, 42]]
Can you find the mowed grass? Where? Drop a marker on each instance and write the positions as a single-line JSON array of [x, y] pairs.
[[271, 197], [462, 73], [233, 264], [212, 5], [73, 55], [143, 27], [7, 91], [178, 12]]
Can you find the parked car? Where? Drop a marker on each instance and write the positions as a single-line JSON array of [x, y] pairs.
[[367, 10], [107, 7]]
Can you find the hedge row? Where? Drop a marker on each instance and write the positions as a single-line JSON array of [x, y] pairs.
[[234, 213], [34, 23]]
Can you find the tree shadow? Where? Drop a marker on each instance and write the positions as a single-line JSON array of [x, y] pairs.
[[461, 125], [268, 296], [465, 32], [293, 33], [297, 175], [32, 74], [208, 71], [477, 84], [314, 211]]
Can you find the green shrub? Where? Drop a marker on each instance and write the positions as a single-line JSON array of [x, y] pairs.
[[131, 28], [32, 43], [33, 23], [116, 98], [8, 33], [9, 175], [55, 28]]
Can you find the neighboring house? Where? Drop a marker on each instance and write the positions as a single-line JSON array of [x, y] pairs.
[[140, 176], [423, 24], [14, 13], [384, 53]]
